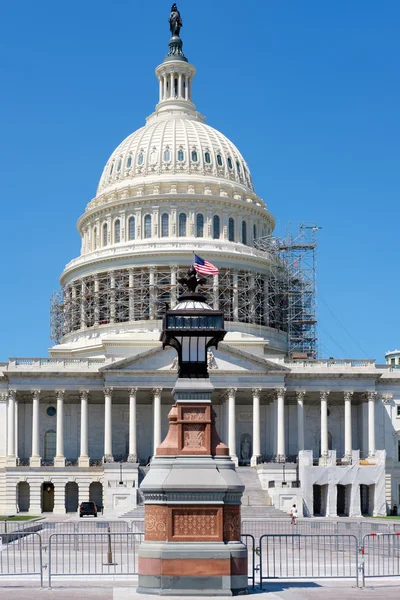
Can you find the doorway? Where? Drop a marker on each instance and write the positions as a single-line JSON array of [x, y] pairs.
[[47, 496], [366, 499], [96, 494], [71, 497], [23, 494], [341, 501], [320, 493]]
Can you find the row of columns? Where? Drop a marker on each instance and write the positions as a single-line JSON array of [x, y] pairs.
[[279, 425]]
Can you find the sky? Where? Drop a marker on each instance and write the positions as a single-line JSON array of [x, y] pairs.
[[309, 91]]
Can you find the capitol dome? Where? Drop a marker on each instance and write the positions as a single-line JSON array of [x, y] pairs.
[[175, 143]]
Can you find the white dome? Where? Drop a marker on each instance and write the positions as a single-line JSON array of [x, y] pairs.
[[174, 143]]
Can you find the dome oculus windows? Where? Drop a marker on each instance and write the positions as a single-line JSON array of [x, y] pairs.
[[216, 227], [199, 226], [117, 231], [230, 165], [119, 165], [131, 228], [147, 226], [51, 411], [195, 156], [207, 158], [140, 159], [219, 160], [182, 225], [129, 162], [181, 155], [238, 167], [167, 155], [165, 225]]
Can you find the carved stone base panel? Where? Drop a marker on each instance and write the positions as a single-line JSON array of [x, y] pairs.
[[155, 523], [195, 524], [231, 529]]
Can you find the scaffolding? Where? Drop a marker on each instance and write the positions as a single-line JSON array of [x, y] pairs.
[[292, 288], [282, 296]]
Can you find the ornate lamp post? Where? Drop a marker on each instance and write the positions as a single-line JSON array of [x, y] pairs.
[[192, 492]]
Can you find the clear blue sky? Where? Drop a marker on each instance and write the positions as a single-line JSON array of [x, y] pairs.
[[308, 90]]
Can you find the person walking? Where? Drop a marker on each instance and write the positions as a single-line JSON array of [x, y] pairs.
[[293, 514]]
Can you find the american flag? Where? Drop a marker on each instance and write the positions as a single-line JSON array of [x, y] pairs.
[[204, 267]]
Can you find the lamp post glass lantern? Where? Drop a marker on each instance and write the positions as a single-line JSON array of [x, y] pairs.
[[192, 327]]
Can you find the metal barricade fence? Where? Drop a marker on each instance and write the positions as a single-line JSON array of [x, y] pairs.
[[308, 557], [87, 554], [367, 527], [259, 527], [380, 555], [250, 543], [21, 554]]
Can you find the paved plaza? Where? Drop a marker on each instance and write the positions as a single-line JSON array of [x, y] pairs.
[[327, 590]]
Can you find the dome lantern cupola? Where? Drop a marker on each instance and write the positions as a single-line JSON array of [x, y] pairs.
[[175, 74]]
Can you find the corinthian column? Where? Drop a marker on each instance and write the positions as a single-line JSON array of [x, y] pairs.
[[157, 417], [132, 426], [280, 438], [371, 422], [324, 424], [300, 420], [256, 426], [348, 443], [35, 460], [11, 458], [84, 455], [59, 459], [232, 425], [108, 455]]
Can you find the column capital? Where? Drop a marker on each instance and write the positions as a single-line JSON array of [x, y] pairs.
[[348, 396], [36, 394], [256, 391], [108, 391], [324, 394], [371, 395], [387, 398], [279, 392], [156, 392], [133, 391], [300, 394], [12, 394], [231, 391], [60, 394], [3, 396], [84, 394]]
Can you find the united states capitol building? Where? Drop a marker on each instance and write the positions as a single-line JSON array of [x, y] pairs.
[[78, 425]]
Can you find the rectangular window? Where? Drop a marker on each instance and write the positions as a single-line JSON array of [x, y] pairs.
[[397, 410], [392, 361]]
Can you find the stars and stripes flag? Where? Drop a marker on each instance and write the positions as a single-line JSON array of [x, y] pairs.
[[203, 266]]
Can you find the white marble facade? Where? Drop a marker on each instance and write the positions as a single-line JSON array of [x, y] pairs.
[[79, 424]]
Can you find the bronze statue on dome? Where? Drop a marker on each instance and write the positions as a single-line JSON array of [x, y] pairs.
[[175, 21]]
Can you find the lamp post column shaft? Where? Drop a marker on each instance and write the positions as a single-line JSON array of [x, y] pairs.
[[157, 418], [280, 446], [256, 427], [232, 424], [132, 426], [108, 455]]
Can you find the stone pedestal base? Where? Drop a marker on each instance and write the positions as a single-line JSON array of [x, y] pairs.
[[35, 461], [83, 461], [254, 459], [11, 461], [185, 569], [59, 461]]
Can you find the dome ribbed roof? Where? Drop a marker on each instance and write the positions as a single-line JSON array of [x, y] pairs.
[[175, 143]]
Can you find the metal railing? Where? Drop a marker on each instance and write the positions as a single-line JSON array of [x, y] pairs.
[[260, 527], [380, 555], [21, 554], [93, 554], [308, 557], [250, 543]]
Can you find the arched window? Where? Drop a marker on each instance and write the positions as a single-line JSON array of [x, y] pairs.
[[117, 231], [244, 232], [181, 155], [140, 159], [199, 226], [182, 225], [49, 445], [238, 167], [230, 162], [119, 165], [95, 238], [216, 228], [129, 162], [207, 157], [231, 230], [165, 225], [147, 226], [131, 228], [167, 155], [112, 169], [195, 157], [105, 234], [219, 160]]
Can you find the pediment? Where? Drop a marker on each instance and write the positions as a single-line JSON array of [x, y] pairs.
[[225, 359]]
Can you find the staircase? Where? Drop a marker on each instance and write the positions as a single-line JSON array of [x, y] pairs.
[[256, 502]]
